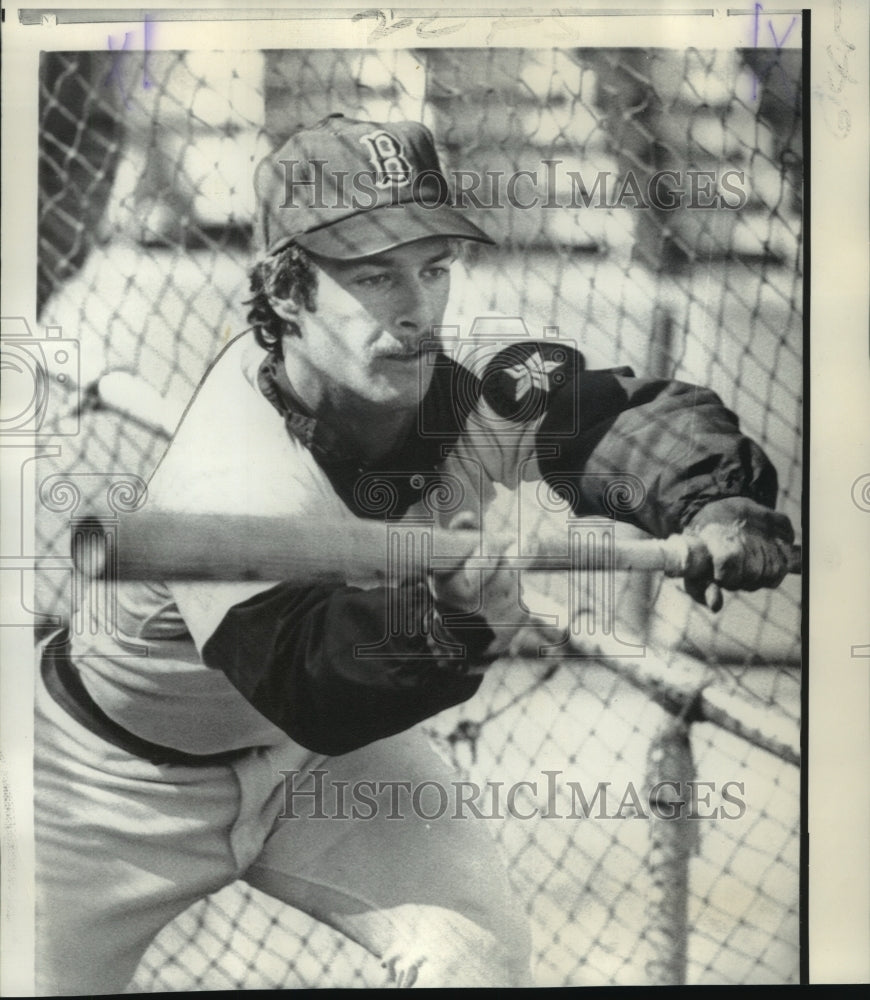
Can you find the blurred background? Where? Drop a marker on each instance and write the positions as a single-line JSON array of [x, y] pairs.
[[145, 209]]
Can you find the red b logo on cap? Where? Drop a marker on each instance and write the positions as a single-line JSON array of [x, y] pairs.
[[386, 156]]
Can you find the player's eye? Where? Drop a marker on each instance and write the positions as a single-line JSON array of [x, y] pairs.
[[436, 272], [372, 280]]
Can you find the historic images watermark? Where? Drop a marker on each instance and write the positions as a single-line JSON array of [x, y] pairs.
[[313, 794], [40, 380], [551, 186]]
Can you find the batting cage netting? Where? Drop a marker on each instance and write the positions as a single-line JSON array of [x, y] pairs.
[[145, 210]]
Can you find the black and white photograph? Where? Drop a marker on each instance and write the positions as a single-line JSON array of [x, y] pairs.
[[408, 456]]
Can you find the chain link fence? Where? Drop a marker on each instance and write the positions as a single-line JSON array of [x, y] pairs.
[[144, 239]]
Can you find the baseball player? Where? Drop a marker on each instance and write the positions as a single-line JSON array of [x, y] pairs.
[[164, 748]]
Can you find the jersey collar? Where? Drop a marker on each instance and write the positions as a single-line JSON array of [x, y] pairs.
[[411, 464]]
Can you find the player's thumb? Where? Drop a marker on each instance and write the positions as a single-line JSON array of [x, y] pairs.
[[699, 575]]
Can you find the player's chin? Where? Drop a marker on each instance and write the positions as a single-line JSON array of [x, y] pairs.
[[399, 397], [401, 380]]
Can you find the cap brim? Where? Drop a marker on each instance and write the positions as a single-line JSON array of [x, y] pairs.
[[378, 230]]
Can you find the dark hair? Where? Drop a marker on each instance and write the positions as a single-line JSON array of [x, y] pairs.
[[288, 274]]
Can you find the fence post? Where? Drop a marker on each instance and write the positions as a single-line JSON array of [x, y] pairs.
[[673, 836]]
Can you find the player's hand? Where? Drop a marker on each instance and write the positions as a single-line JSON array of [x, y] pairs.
[[735, 544], [491, 594], [471, 590]]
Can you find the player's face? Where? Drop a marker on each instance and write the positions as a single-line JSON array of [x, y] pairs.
[[363, 344]]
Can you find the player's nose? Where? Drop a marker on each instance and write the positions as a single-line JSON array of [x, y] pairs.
[[415, 311]]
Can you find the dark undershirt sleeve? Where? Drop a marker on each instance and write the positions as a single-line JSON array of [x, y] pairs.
[[680, 446], [295, 654]]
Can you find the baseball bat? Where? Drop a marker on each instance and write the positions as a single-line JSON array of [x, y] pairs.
[[168, 545]]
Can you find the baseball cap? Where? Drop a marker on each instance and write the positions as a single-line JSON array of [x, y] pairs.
[[346, 189]]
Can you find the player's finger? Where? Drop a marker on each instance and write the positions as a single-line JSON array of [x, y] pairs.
[[748, 561], [727, 551], [698, 571], [706, 592], [713, 597]]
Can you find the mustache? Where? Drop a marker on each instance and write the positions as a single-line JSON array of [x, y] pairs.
[[404, 353]]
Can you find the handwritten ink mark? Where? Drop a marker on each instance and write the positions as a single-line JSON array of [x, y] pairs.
[[777, 43], [115, 73], [149, 39], [424, 31], [838, 76], [505, 23], [386, 24]]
